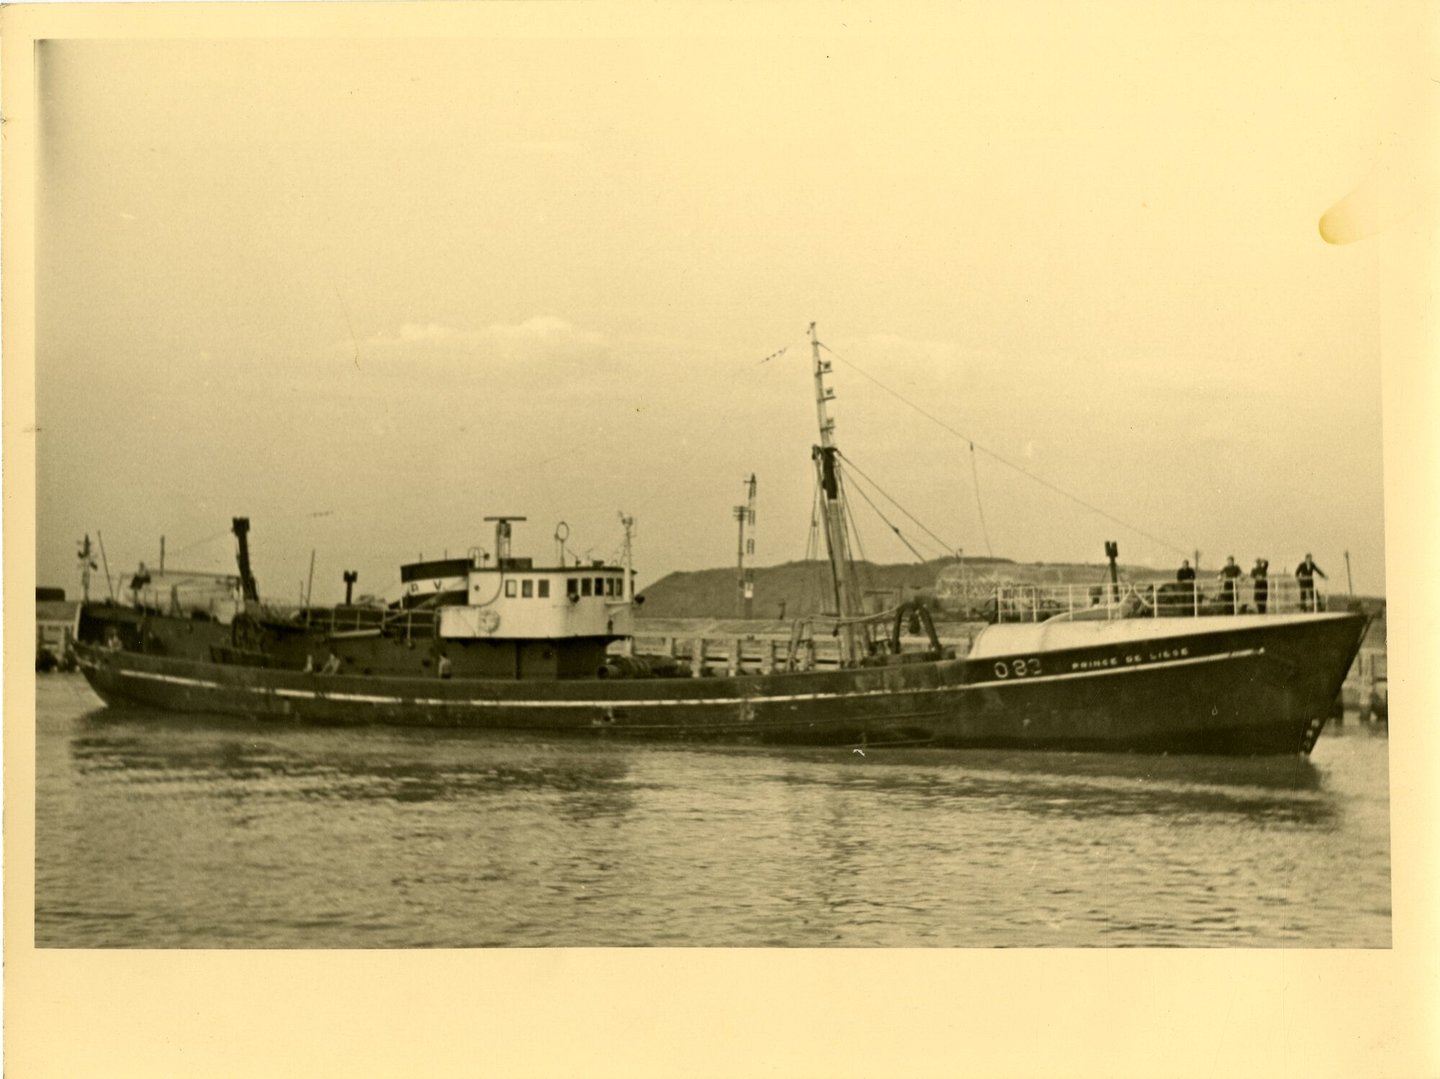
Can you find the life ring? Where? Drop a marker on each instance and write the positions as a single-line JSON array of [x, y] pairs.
[[488, 619]]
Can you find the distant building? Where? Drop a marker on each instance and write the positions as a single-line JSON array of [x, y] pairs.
[[56, 623]]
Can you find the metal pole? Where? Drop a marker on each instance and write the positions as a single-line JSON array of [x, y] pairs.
[[629, 525], [85, 565], [750, 550], [739, 513], [309, 581], [1348, 582], [109, 585]]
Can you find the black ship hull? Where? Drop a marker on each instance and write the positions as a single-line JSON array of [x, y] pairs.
[[1247, 686]]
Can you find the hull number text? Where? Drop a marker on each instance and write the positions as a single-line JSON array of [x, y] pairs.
[[1017, 668]]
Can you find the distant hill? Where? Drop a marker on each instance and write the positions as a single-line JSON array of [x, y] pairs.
[[803, 588]]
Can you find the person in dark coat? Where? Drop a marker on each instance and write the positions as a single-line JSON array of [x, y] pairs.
[[1305, 573], [1261, 576], [1228, 575], [1182, 594]]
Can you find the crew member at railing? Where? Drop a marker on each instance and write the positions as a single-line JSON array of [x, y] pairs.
[[1227, 576], [1261, 576], [1305, 573], [138, 582]]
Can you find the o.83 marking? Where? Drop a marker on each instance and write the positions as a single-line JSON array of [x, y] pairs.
[[1017, 668]]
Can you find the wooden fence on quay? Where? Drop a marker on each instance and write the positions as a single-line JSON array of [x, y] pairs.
[[714, 646]]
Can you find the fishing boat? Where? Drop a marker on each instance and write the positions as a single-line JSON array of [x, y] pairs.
[[496, 641]]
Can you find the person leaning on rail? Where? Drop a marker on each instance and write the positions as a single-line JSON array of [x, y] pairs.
[[1261, 576], [1305, 574], [1227, 576]]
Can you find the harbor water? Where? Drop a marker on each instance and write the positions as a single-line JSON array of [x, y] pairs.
[[157, 831]]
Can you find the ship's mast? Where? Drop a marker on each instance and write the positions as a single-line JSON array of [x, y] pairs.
[[853, 641]]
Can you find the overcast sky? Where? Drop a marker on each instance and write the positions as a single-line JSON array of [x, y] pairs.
[[368, 292]]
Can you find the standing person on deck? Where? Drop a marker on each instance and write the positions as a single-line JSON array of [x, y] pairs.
[[1305, 574], [1185, 588], [1227, 576], [1261, 575]]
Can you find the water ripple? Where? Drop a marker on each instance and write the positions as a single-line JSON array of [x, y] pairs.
[[155, 832]]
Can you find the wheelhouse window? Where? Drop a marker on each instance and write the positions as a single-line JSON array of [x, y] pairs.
[[543, 585], [572, 586], [599, 586], [584, 586], [510, 589], [527, 589]]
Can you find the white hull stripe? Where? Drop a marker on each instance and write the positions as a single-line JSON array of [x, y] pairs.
[[493, 702]]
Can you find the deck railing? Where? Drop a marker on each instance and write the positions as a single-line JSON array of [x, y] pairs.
[[407, 622], [403, 622], [1150, 599]]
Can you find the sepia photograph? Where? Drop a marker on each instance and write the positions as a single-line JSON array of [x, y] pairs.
[[772, 480]]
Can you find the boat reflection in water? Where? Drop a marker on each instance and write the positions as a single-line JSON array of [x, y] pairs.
[[1102, 784], [430, 765], [254, 760]]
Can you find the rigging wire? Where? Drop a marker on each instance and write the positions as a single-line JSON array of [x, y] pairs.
[[869, 583], [1002, 459], [812, 544], [854, 531], [852, 467], [980, 506], [775, 355], [893, 528]]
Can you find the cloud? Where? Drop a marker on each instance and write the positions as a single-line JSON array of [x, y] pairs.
[[541, 337], [432, 331], [545, 346]]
